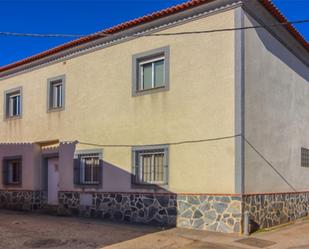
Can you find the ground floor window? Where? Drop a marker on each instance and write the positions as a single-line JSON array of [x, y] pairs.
[[150, 166], [12, 171], [88, 169]]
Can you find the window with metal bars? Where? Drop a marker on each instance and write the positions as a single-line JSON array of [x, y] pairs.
[[88, 169], [150, 166], [12, 171], [304, 157]]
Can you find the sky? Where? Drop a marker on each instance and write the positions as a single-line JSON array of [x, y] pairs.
[[84, 17]]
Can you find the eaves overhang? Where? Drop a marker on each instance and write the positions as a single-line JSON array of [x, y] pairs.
[[151, 23]]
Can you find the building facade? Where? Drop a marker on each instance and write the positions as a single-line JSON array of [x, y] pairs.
[[178, 130]]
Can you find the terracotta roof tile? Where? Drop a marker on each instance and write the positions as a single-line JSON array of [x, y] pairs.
[[144, 19]]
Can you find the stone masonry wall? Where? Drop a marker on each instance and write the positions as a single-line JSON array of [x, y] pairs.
[[21, 200], [212, 213], [267, 210], [139, 208], [204, 212]]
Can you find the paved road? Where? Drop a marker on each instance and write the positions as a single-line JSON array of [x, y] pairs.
[[24, 230]]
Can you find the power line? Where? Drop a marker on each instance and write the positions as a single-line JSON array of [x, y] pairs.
[[102, 34], [201, 141], [269, 164], [172, 143], [230, 29], [40, 35]]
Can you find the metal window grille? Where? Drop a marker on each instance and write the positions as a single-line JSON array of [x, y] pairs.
[[150, 167], [88, 170], [304, 157], [12, 171]]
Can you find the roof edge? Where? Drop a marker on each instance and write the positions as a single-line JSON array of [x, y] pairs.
[[267, 4]]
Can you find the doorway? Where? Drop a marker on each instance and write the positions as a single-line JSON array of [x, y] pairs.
[[53, 181]]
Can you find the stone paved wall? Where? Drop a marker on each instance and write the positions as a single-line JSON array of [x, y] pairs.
[[267, 210], [204, 212], [139, 208], [21, 200], [207, 212]]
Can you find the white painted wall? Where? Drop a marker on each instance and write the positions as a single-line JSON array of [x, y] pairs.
[[276, 113]]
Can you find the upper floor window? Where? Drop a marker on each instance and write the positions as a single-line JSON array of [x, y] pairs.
[[12, 171], [152, 74], [150, 165], [88, 168], [13, 103], [151, 71], [56, 93]]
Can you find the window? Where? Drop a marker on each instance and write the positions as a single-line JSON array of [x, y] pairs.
[[88, 168], [304, 157], [151, 74], [150, 166], [13, 103], [151, 71], [56, 93], [12, 171]]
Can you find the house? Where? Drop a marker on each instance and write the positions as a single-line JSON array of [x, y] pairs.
[[196, 130]]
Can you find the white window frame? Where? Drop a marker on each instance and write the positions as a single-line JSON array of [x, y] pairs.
[[55, 96], [149, 56], [11, 104], [141, 78], [56, 93]]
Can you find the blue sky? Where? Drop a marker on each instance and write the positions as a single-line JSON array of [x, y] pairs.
[[84, 17]]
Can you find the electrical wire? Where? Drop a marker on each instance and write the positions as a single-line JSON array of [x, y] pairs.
[[102, 34], [172, 143], [200, 141]]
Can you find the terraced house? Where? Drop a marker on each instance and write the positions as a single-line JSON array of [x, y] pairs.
[[186, 129]]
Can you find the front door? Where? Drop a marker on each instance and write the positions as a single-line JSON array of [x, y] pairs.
[[53, 181]]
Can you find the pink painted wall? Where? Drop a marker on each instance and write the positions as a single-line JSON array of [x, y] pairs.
[[31, 162]]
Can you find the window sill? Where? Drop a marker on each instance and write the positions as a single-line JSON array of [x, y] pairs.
[[12, 184], [88, 185], [148, 186], [55, 109], [7, 118], [151, 90]]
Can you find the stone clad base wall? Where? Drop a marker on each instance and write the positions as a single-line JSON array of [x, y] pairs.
[[221, 213], [139, 208], [21, 200], [204, 212], [267, 210], [208, 212]]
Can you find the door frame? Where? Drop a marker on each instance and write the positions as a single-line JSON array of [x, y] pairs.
[[44, 176]]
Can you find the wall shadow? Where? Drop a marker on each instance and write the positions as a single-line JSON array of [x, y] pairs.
[[118, 198], [138, 209], [282, 53]]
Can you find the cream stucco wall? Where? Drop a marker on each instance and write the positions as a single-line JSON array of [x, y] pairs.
[[276, 114], [99, 107]]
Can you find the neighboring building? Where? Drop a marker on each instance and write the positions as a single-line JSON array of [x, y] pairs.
[[184, 130]]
